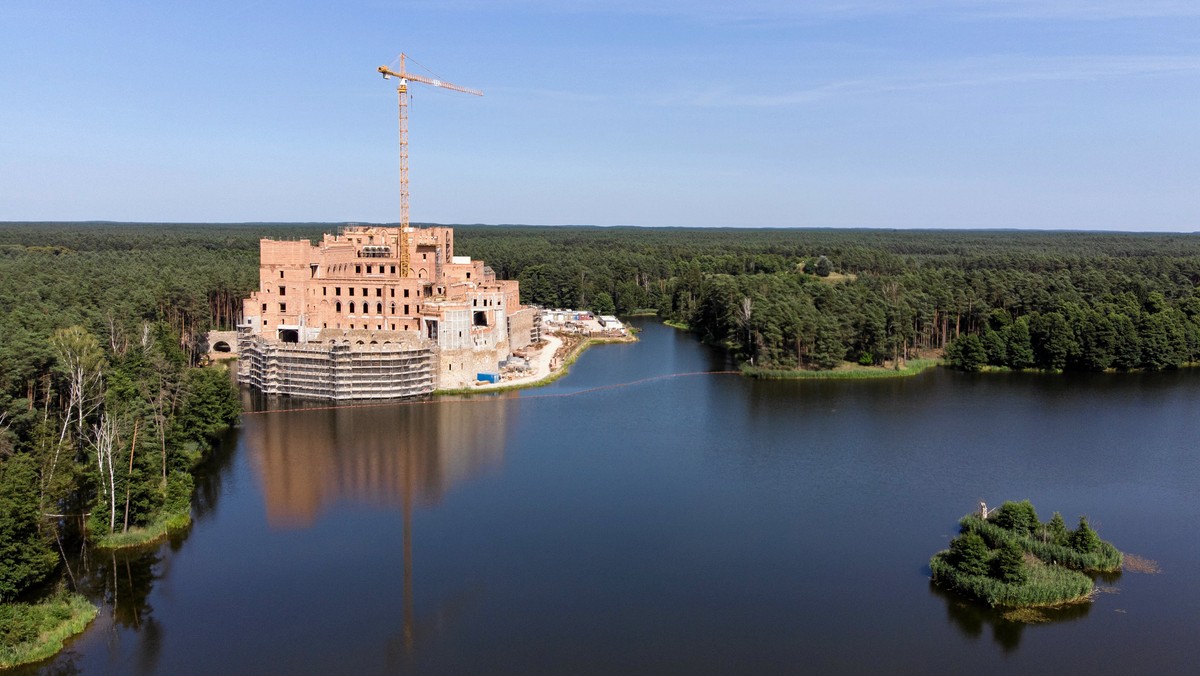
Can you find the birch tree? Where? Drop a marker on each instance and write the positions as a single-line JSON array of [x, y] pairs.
[[81, 361]]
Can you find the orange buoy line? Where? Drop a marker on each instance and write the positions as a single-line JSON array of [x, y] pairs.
[[474, 399]]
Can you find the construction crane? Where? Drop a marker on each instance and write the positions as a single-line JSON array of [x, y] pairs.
[[402, 93]]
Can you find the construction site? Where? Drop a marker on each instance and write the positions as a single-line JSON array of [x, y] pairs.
[[379, 312]]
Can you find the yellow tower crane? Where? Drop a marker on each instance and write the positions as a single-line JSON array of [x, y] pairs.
[[402, 93]]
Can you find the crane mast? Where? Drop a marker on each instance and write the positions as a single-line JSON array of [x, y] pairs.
[[402, 96]]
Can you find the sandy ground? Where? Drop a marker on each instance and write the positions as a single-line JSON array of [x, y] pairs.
[[541, 367]]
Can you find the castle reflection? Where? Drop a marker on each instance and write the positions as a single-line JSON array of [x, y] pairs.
[[390, 456]]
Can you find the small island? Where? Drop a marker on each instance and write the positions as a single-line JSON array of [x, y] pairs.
[[1007, 558]]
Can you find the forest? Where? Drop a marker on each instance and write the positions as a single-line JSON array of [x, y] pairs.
[[813, 299], [103, 411]]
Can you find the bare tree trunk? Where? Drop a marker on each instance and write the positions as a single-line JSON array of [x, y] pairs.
[[132, 450]]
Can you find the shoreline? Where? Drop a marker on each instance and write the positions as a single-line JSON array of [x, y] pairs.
[[912, 367], [140, 536], [848, 370], [49, 640], [546, 373]]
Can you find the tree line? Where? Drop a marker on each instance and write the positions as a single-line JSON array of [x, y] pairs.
[[812, 299]]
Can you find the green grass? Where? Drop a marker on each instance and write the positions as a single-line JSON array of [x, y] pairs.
[[164, 525], [1047, 585], [848, 372], [34, 632], [682, 326]]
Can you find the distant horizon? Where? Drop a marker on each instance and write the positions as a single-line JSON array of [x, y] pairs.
[[617, 225]]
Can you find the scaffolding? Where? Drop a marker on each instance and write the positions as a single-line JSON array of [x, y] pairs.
[[338, 370]]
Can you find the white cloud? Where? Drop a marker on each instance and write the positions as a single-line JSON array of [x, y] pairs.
[[968, 73]]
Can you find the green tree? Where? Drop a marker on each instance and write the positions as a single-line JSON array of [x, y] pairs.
[[1009, 564], [1053, 340], [828, 349], [210, 405], [1084, 539], [969, 553], [966, 353], [1018, 517], [1056, 530], [602, 303], [25, 557], [1018, 344]]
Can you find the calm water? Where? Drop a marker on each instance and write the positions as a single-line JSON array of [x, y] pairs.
[[686, 524]]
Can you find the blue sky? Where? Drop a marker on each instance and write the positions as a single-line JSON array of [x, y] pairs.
[[1073, 114]]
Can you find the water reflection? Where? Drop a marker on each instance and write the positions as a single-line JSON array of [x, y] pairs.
[[386, 456], [393, 456], [971, 617]]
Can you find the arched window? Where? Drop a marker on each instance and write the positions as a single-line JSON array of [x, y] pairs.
[[379, 308], [393, 309], [351, 307], [339, 306]]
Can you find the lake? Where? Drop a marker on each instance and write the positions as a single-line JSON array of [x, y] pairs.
[[618, 521]]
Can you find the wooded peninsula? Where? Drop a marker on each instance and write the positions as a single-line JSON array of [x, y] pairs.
[[105, 411]]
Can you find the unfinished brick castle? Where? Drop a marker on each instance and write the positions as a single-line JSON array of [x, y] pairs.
[[376, 312]]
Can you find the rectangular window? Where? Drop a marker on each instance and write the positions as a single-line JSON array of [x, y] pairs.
[[468, 275], [337, 290], [352, 291], [283, 307], [405, 309], [393, 269], [264, 307], [281, 274], [393, 327], [283, 290], [358, 269], [365, 294], [368, 269], [406, 293], [393, 292], [324, 291], [378, 293]]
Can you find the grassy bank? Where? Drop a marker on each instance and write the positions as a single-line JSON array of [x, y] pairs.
[[847, 372], [34, 632], [682, 326], [164, 525], [1046, 584]]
